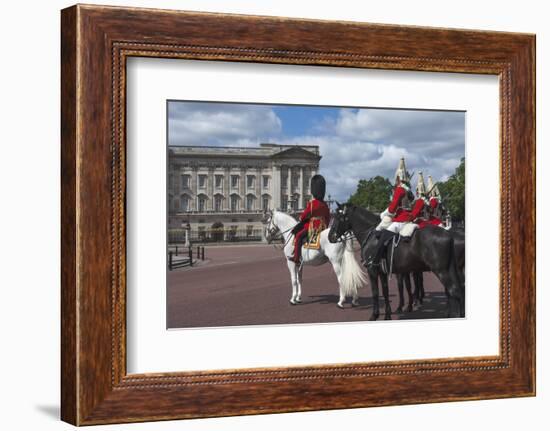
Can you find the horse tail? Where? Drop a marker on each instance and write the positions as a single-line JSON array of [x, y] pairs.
[[353, 276]]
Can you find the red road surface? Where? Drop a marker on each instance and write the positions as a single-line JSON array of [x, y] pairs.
[[250, 285]]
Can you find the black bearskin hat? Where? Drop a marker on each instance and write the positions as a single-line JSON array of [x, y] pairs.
[[318, 187]]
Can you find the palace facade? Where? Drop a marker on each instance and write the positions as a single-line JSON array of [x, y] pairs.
[[222, 192]]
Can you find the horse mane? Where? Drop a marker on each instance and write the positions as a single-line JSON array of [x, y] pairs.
[[368, 217], [287, 217]]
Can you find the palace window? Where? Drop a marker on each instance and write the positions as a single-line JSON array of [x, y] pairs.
[[266, 181], [218, 203], [284, 182], [250, 181], [202, 203], [185, 181], [234, 181], [234, 203], [265, 203], [250, 203], [219, 181], [184, 203], [202, 181]]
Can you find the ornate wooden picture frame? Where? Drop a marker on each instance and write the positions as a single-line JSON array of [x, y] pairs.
[[96, 42]]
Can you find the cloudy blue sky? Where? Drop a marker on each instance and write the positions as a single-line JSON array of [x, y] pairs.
[[355, 143]]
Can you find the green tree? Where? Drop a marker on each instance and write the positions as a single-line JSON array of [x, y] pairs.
[[453, 191], [373, 194]]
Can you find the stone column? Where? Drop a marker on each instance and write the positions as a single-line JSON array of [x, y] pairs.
[[301, 188], [210, 188], [289, 187], [242, 188], [194, 185], [227, 189], [275, 187], [259, 179]]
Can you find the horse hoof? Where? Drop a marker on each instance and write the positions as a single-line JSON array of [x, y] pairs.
[[355, 304], [340, 306], [293, 302], [409, 308], [298, 301], [373, 317]]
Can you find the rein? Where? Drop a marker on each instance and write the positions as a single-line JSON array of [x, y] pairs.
[[274, 230]]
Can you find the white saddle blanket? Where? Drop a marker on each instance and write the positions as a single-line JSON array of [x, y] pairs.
[[408, 229]]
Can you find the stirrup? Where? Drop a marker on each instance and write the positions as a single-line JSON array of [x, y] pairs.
[[382, 265]]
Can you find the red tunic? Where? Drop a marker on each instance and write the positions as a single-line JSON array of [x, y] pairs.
[[315, 208], [434, 203], [416, 212], [315, 212], [395, 208]]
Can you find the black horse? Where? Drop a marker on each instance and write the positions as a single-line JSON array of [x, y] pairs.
[[417, 297], [429, 249], [460, 248]]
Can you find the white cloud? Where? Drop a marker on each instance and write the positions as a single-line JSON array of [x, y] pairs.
[[364, 143], [356, 144], [215, 124]]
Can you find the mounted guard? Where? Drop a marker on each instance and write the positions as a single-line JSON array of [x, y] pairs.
[[314, 219], [396, 215], [419, 214], [436, 207], [399, 208]]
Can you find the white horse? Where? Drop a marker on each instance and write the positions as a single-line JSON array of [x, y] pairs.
[[349, 273]]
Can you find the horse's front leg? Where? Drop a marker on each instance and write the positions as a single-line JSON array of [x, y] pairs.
[[293, 280], [338, 271], [299, 285], [418, 287], [400, 290], [374, 289], [386, 293], [409, 291]]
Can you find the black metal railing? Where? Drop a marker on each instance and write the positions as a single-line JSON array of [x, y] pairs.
[[180, 256], [215, 235]]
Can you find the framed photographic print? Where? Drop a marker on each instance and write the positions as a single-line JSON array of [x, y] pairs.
[[264, 214]]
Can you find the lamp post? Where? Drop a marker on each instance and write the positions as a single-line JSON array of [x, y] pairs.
[[187, 229]]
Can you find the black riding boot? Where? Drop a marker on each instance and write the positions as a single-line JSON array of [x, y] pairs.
[[385, 237]]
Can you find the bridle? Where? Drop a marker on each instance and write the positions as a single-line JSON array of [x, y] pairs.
[[274, 233], [349, 234], [271, 230]]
